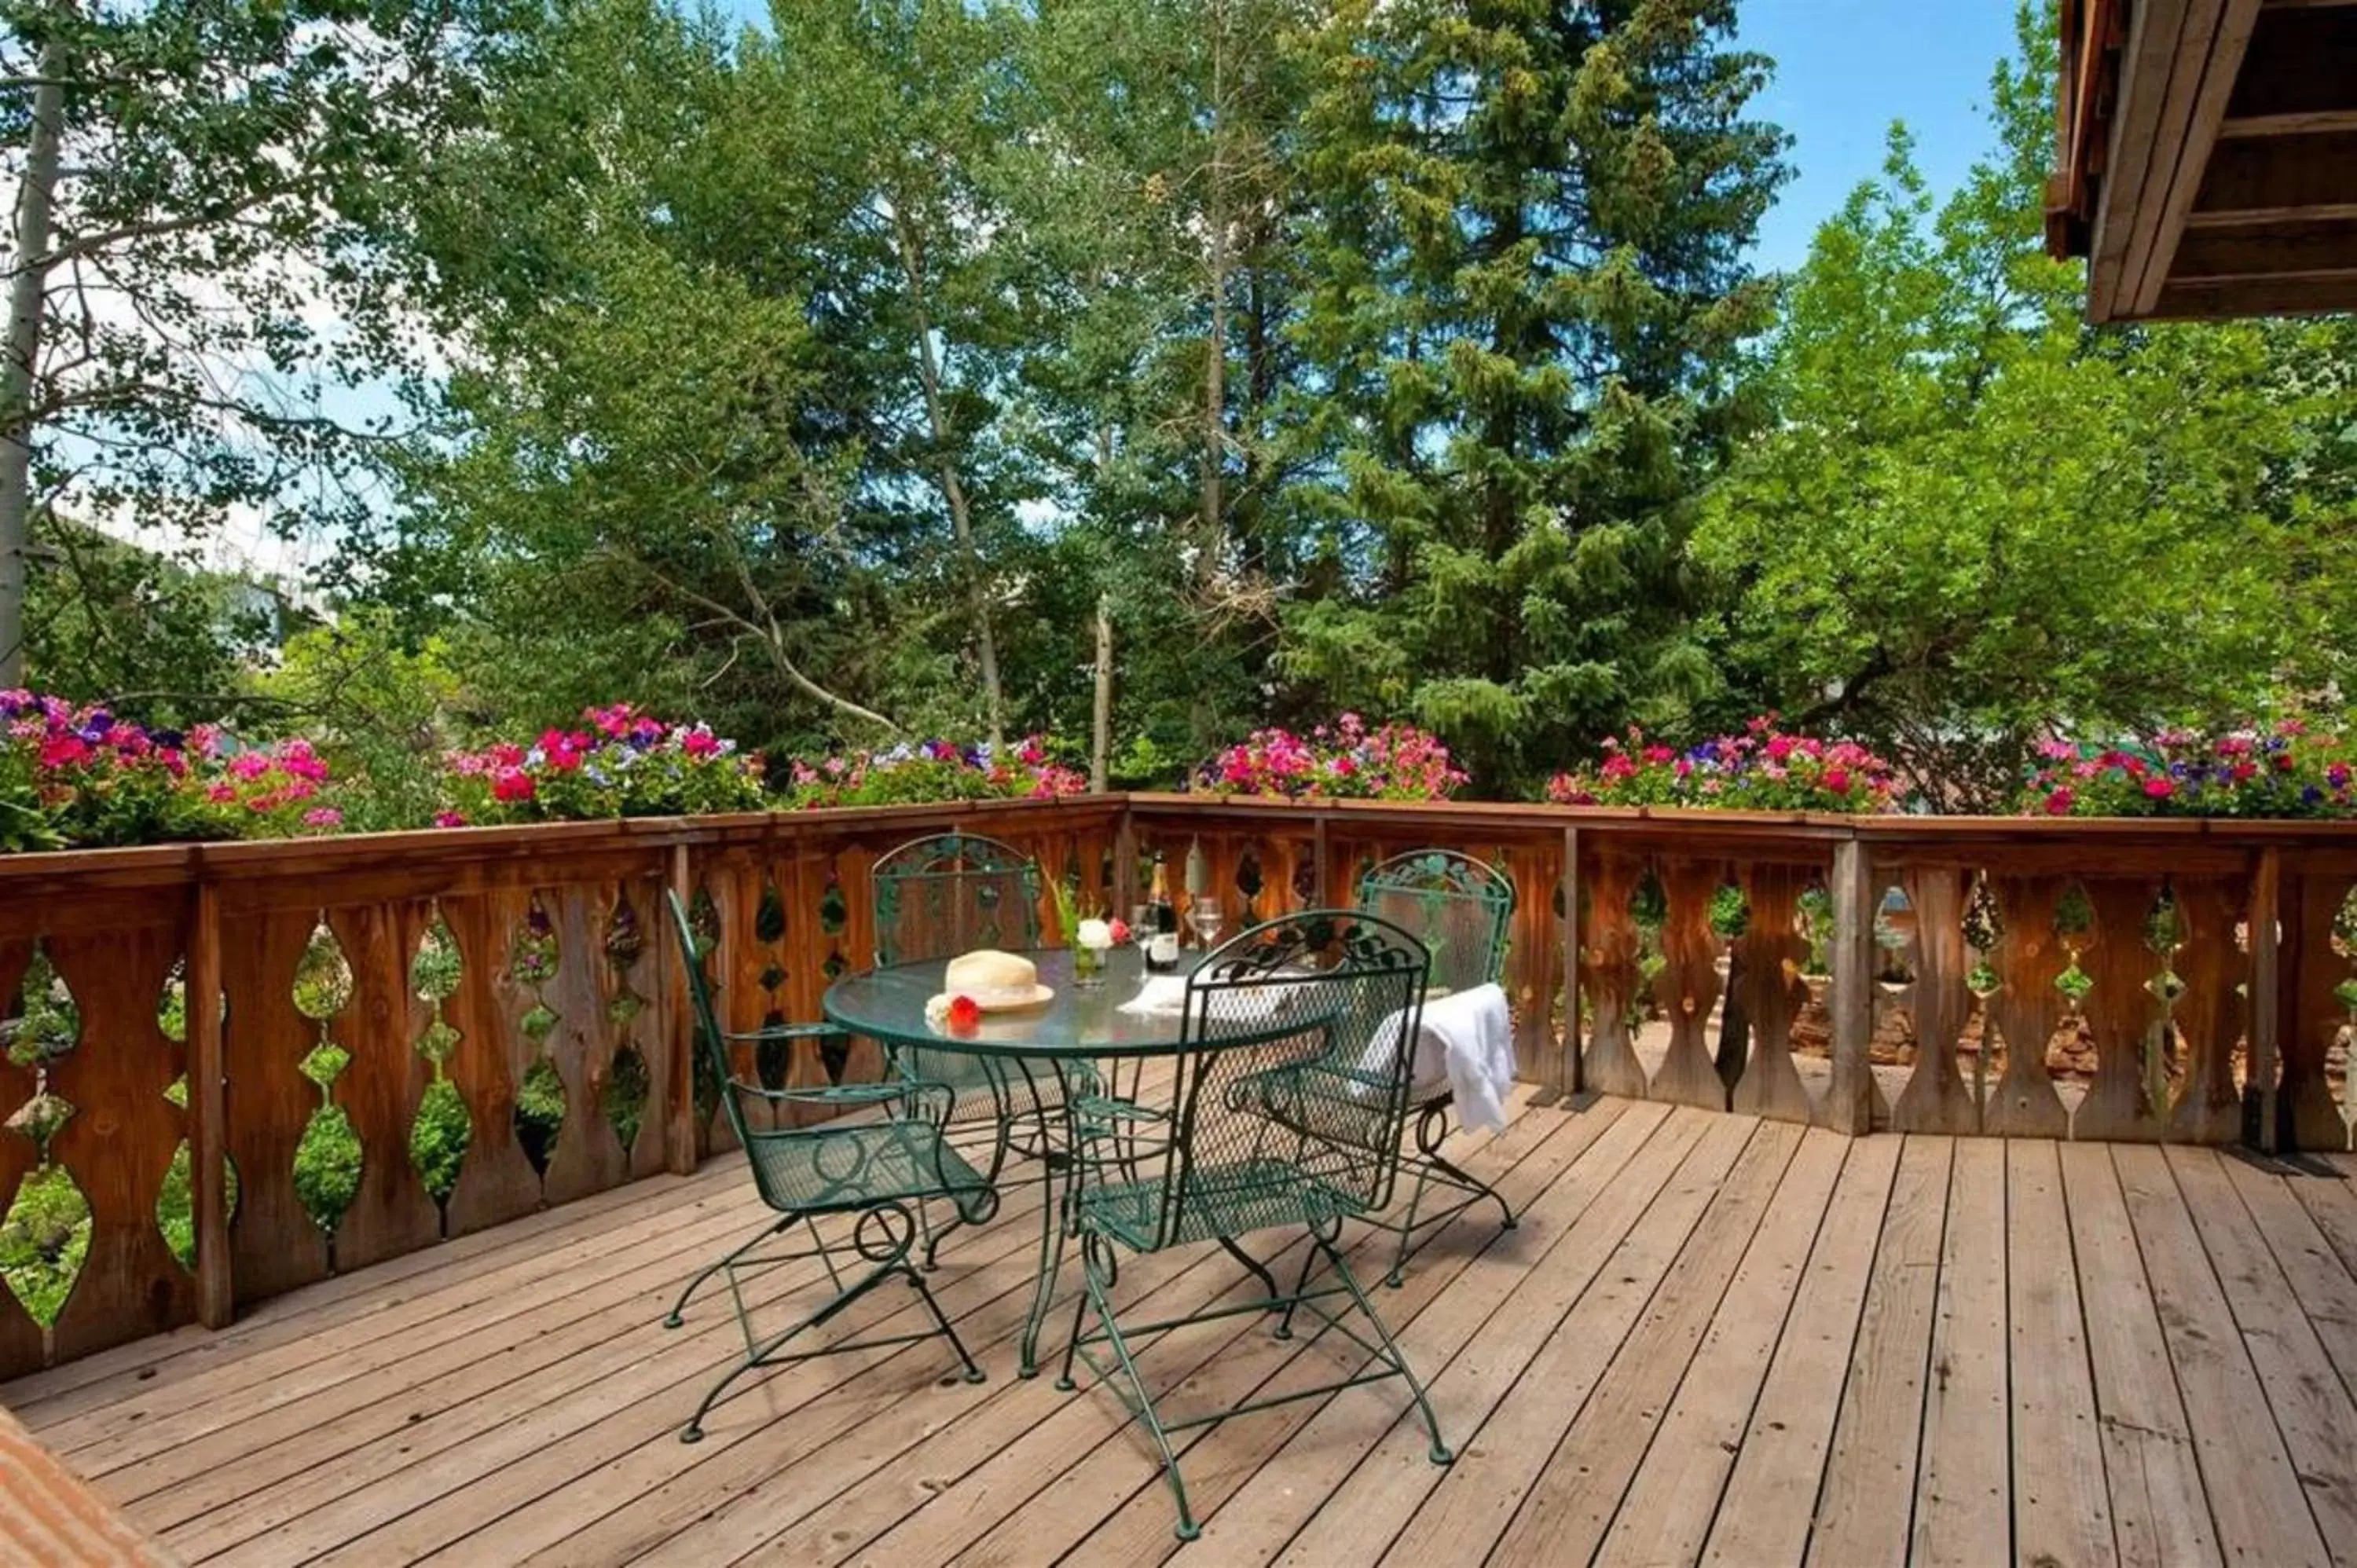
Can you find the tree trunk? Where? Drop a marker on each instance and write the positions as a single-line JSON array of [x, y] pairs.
[[26, 294], [1211, 525], [952, 491], [1101, 719]]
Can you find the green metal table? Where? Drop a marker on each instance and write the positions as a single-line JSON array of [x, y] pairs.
[[1028, 1055]]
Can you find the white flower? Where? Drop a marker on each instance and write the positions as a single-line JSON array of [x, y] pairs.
[[1096, 934]]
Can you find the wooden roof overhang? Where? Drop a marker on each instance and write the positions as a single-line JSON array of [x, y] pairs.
[[2208, 157]]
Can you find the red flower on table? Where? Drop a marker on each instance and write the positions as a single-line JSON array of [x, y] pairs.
[[964, 1015]]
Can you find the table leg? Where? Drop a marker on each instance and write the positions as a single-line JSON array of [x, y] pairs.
[[1053, 1195]]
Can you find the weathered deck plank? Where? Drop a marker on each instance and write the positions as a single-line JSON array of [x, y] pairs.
[[1710, 1340]]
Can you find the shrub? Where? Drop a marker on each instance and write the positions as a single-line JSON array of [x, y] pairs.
[[2285, 771], [1763, 769], [1345, 760]]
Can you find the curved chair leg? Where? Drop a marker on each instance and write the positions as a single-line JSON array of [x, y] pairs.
[[1258, 1269], [1479, 1189], [1188, 1528], [1398, 1276], [973, 1374], [1440, 1454], [1308, 1261], [672, 1320], [759, 1355]]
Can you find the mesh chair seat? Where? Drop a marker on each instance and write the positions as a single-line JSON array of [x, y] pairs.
[[1219, 1200], [841, 1168]]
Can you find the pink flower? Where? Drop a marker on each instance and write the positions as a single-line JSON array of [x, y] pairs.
[[323, 817], [699, 741], [449, 819], [2160, 788], [2059, 803], [220, 794], [513, 785], [64, 751], [1837, 780]]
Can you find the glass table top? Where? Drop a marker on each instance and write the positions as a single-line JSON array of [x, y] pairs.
[[888, 1003]]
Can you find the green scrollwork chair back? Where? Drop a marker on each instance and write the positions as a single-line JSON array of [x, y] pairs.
[[938, 896], [812, 1155], [951, 893], [1459, 907]]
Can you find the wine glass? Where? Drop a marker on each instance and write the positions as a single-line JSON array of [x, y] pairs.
[[1203, 914]]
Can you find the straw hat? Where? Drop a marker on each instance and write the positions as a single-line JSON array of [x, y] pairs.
[[998, 982]]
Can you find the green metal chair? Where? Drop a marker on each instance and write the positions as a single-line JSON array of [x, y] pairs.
[[880, 1169], [1460, 908], [936, 897], [1227, 1148]]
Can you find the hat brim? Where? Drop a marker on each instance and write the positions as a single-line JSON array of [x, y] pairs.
[[1011, 999]]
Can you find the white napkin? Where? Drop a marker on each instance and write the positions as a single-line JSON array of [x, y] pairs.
[[1162, 995], [1465, 1040], [1165, 997]]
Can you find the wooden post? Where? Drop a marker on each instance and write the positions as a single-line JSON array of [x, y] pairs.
[[1849, 1108], [2266, 997], [208, 1111], [1125, 864], [1317, 853], [1567, 1076], [678, 1014]]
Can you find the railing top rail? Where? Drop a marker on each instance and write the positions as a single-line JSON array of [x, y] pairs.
[[1650, 827]]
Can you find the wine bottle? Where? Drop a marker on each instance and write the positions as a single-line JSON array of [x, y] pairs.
[[1162, 946]]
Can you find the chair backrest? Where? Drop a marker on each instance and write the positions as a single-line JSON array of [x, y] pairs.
[[951, 893], [1458, 906], [709, 1040], [1254, 1105]]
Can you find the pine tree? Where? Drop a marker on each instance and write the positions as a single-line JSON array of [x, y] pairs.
[[1531, 291]]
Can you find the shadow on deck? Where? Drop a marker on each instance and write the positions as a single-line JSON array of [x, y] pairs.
[[1711, 1338]]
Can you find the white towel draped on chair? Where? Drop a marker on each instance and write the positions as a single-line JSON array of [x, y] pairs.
[[1465, 1043]]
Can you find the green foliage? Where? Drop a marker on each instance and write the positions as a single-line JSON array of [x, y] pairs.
[[629, 1085], [156, 638], [176, 1204], [47, 1022], [1524, 309], [1977, 521], [328, 1166], [381, 710], [223, 171], [540, 1112], [43, 1240], [438, 1139]]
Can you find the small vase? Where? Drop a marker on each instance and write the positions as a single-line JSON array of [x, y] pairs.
[[1088, 967]]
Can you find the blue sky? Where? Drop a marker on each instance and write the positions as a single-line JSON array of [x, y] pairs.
[[1845, 71]]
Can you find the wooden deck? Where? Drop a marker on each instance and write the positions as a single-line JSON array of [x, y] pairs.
[[1710, 1340]]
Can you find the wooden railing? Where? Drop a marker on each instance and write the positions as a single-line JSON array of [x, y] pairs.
[[388, 1040]]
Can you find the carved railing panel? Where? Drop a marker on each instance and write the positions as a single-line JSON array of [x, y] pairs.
[[2122, 1007], [1771, 954], [2026, 1007], [1938, 1001], [1688, 987], [2318, 932]]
